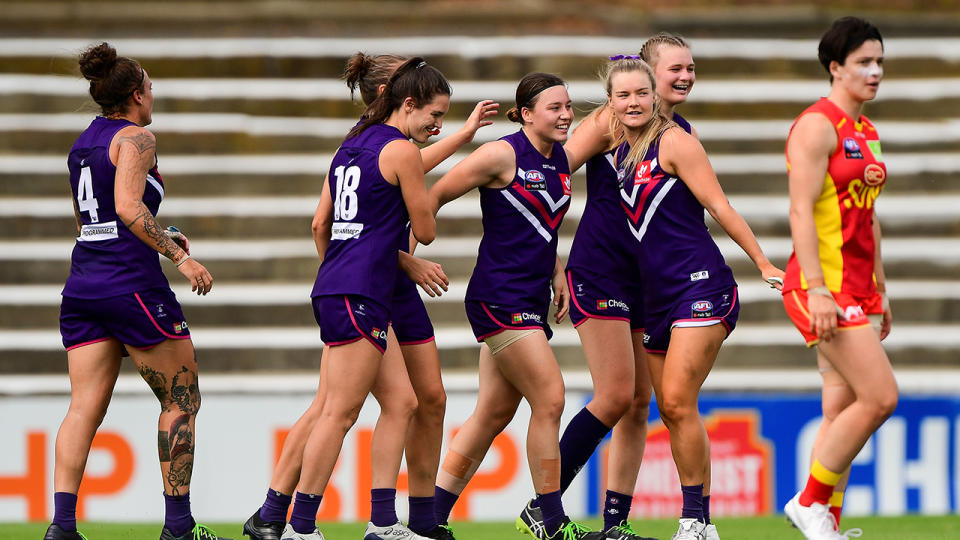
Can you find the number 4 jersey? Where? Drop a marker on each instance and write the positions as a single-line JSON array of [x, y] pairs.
[[368, 221], [108, 260]]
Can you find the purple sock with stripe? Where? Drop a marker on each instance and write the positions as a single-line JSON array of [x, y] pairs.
[[65, 510], [304, 516], [383, 507], [443, 502], [178, 519], [275, 506]]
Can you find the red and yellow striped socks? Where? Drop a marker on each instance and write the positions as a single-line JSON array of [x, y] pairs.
[[820, 485]]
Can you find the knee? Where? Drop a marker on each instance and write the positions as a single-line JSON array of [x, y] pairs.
[[613, 404], [400, 405], [433, 403], [884, 404], [91, 413], [549, 407], [639, 410], [499, 417], [675, 409]]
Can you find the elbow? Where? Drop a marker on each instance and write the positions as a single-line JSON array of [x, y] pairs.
[[425, 231], [319, 225]]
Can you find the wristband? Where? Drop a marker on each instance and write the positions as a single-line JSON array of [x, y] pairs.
[[183, 260], [821, 290]]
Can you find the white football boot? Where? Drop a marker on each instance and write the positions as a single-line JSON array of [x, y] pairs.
[[814, 521], [690, 529], [397, 531], [290, 534]]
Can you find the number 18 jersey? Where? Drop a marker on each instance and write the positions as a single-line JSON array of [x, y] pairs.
[[108, 259], [368, 221]]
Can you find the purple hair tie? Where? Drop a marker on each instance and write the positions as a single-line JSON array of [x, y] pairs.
[[625, 57]]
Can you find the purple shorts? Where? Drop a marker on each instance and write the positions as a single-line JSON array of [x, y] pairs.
[[409, 316], [344, 319], [141, 320], [487, 320], [704, 309], [596, 297]]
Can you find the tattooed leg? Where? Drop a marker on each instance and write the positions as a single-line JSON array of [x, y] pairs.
[[171, 371]]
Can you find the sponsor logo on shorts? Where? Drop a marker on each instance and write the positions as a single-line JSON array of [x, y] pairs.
[[851, 149], [646, 338], [697, 276], [524, 316], [853, 313], [643, 174], [179, 327], [874, 175], [345, 231], [702, 308], [534, 181], [613, 303], [160, 312], [378, 333], [567, 185]]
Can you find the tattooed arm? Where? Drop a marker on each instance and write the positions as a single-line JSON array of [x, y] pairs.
[[134, 152]]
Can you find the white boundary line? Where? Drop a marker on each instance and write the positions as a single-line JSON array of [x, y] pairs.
[[464, 46]]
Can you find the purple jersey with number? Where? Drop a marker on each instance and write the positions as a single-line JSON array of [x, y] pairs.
[[603, 243], [677, 255], [108, 259], [518, 250], [368, 221]]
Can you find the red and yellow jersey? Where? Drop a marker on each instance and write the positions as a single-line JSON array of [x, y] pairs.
[[844, 210]]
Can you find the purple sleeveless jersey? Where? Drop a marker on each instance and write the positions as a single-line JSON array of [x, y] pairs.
[[520, 222], [108, 260], [368, 221], [603, 243], [677, 255]]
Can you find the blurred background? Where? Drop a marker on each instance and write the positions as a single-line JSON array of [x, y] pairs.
[[249, 110]]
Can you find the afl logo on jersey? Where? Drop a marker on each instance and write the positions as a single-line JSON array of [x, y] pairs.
[[534, 181], [874, 175], [567, 185], [851, 149], [643, 174], [620, 174]]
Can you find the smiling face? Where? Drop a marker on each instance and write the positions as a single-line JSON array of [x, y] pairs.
[[675, 72], [861, 72], [422, 122], [551, 115], [632, 98]]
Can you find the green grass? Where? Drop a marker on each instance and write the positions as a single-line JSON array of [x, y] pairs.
[[766, 528]]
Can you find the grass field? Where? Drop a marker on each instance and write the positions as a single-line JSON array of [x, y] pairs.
[[767, 528]]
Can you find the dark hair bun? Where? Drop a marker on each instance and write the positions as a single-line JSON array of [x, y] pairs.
[[97, 62], [514, 115], [357, 67]]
